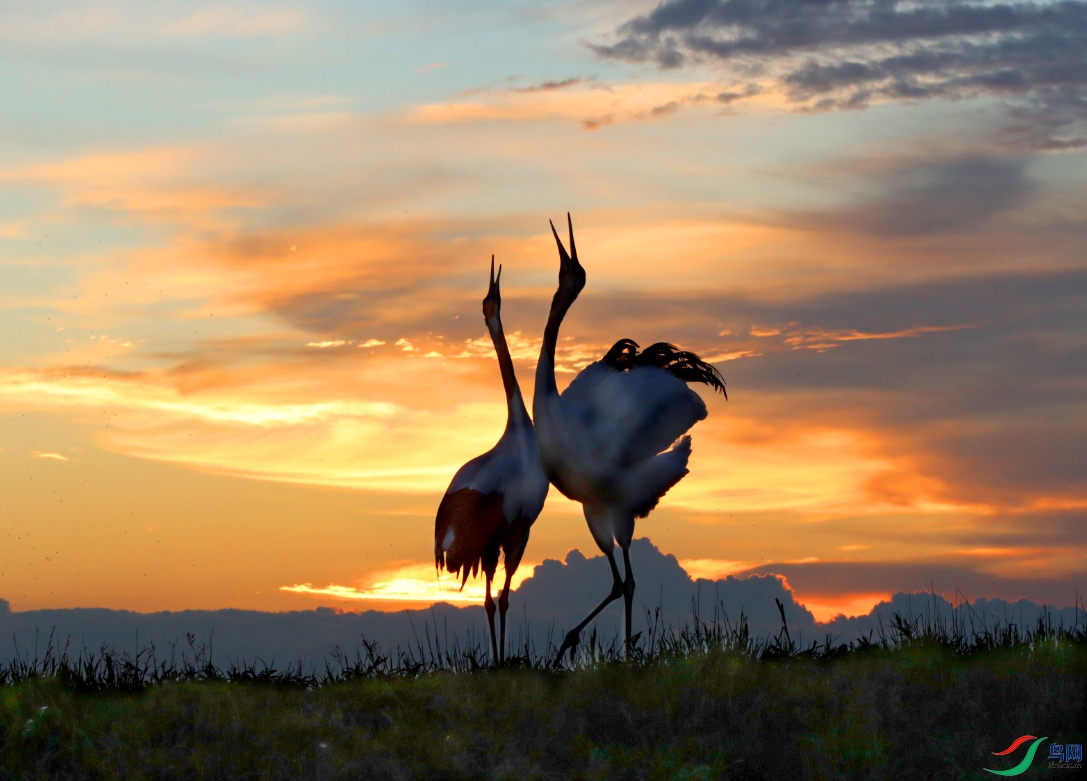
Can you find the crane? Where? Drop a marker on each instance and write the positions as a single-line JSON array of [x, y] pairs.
[[616, 439], [493, 499]]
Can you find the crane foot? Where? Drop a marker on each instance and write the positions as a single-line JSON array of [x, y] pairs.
[[570, 641]]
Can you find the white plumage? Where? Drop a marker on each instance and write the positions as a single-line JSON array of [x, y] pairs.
[[511, 467]]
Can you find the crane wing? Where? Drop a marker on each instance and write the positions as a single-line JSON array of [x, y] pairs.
[[581, 392], [636, 414], [647, 481], [511, 469]]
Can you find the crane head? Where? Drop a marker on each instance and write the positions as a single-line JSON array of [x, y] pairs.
[[492, 304], [571, 274]]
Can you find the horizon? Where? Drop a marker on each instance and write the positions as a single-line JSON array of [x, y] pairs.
[[558, 594], [243, 250]]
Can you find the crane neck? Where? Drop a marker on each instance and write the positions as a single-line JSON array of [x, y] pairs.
[[514, 402], [545, 368]]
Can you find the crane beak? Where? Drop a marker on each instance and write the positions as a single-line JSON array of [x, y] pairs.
[[562, 250], [570, 227], [493, 302], [569, 267]]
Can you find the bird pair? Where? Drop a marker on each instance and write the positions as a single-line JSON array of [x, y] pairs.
[[615, 441]]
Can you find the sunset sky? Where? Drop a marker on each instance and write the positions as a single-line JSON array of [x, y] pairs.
[[243, 248]]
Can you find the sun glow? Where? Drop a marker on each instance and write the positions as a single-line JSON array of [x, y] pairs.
[[712, 569], [826, 607], [415, 583]]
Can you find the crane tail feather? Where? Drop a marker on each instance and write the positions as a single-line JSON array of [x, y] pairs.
[[467, 531]]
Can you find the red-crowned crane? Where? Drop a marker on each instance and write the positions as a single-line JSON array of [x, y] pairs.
[[615, 440], [494, 498]]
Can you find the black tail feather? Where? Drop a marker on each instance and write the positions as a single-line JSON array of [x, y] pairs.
[[680, 363], [622, 354]]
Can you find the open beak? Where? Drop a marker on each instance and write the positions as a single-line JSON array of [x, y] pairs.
[[494, 294], [569, 261]]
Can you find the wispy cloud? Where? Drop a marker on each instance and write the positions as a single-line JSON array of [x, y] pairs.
[[431, 66], [819, 339], [847, 55], [592, 104], [157, 185], [548, 86]]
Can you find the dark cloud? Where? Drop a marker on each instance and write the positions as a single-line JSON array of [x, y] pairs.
[[842, 577], [511, 84], [994, 407], [935, 610], [845, 54], [1053, 529], [549, 86], [733, 95], [564, 592], [555, 598], [664, 109], [995, 411], [918, 198]]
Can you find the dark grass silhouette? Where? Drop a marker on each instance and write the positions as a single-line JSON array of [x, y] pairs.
[[924, 697]]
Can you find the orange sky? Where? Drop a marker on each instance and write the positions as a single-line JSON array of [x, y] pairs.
[[243, 352]]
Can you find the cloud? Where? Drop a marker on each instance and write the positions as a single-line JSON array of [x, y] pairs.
[[819, 339], [931, 196], [830, 580], [849, 54], [551, 600], [154, 185], [593, 104], [248, 424], [547, 86], [964, 392]]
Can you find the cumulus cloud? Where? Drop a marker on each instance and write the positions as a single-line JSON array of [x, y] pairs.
[[833, 55], [552, 600]]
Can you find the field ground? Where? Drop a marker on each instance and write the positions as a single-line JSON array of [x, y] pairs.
[[920, 706]]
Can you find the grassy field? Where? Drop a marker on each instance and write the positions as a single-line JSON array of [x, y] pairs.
[[921, 701]]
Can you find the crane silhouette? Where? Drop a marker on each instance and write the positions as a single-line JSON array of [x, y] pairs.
[[616, 439], [493, 499]]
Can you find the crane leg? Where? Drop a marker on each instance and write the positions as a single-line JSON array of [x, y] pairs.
[[503, 606], [514, 547], [488, 603], [572, 637], [628, 597]]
